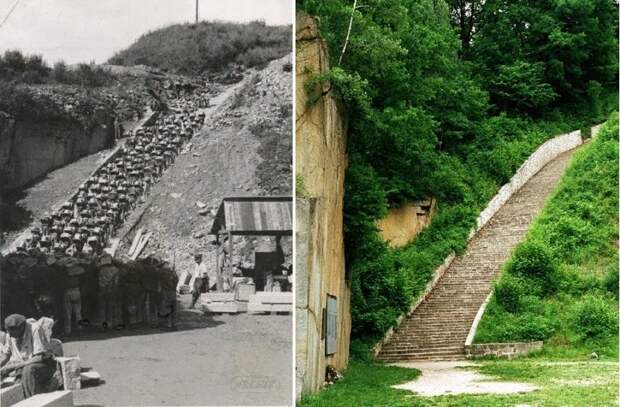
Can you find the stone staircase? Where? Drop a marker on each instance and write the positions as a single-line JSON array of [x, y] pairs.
[[439, 326]]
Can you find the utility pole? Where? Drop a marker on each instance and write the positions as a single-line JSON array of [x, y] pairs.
[[196, 11]]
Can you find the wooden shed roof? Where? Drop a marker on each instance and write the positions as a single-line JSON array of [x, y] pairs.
[[255, 216]]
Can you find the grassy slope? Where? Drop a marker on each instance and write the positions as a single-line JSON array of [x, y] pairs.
[[207, 46], [579, 226]]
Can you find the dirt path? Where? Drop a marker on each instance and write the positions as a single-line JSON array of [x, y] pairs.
[[221, 360], [20, 210], [450, 378]]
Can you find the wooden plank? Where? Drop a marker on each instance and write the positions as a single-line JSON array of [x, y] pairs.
[[141, 246], [63, 398], [136, 240]]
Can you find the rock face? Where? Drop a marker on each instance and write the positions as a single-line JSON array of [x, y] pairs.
[[404, 223], [321, 162], [29, 150]]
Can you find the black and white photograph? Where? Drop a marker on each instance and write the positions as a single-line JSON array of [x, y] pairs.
[[146, 203]]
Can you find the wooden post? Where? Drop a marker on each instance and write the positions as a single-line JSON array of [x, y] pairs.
[[230, 253], [218, 265]]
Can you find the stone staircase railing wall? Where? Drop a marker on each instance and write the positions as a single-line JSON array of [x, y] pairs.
[[537, 160]]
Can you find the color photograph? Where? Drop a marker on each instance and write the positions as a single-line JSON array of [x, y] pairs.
[[456, 223]]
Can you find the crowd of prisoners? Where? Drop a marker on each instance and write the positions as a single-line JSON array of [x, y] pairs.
[[84, 225]]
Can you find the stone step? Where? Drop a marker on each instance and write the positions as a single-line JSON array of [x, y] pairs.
[[437, 329]]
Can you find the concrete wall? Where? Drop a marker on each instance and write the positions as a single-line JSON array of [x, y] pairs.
[[320, 269], [404, 223], [30, 150], [502, 350]]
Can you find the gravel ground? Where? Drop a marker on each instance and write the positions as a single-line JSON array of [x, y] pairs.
[[443, 378], [228, 360]]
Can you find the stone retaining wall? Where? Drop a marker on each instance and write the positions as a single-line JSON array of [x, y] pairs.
[[502, 350], [541, 157]]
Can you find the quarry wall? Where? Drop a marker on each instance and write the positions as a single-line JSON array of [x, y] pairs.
[[29, 150], [321, 162], [404, 223]]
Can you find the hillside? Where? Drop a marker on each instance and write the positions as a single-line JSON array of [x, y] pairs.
[[207, 46], [561, 284], [245, 148]]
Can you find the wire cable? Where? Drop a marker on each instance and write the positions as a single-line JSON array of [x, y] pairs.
[[9, 13]]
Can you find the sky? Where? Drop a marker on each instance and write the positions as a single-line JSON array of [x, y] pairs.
[[92, 30]]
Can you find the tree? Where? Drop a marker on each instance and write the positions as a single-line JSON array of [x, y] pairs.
[[464, 16]]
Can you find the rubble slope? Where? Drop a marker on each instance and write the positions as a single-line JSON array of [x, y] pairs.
[[244, 149]]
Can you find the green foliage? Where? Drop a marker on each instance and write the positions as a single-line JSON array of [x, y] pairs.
[[301, 191], [521, 85], [554, 47], [207, 46], [450, 114], [570, 247], [508, 293], [593, 317], [610, 282], [533, 260]]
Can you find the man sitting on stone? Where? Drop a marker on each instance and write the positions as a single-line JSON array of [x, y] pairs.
[[28, 353]]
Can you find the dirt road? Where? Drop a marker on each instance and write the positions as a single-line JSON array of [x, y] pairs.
[[212, 360]]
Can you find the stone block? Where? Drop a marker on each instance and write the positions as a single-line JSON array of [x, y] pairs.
[[90, 377], [11, 395], [270, 297], [261, 307], [244, 290], [63, 398], [70, 371]]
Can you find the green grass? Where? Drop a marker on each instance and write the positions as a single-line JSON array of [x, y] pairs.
[[576, 383], [579, 229], [366, 384]]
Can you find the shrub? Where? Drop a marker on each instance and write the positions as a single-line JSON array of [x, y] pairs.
[[522, 86], [535, 328], [207, 46], [593, 317], [532, 259], [508, 293], [610, 281]]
